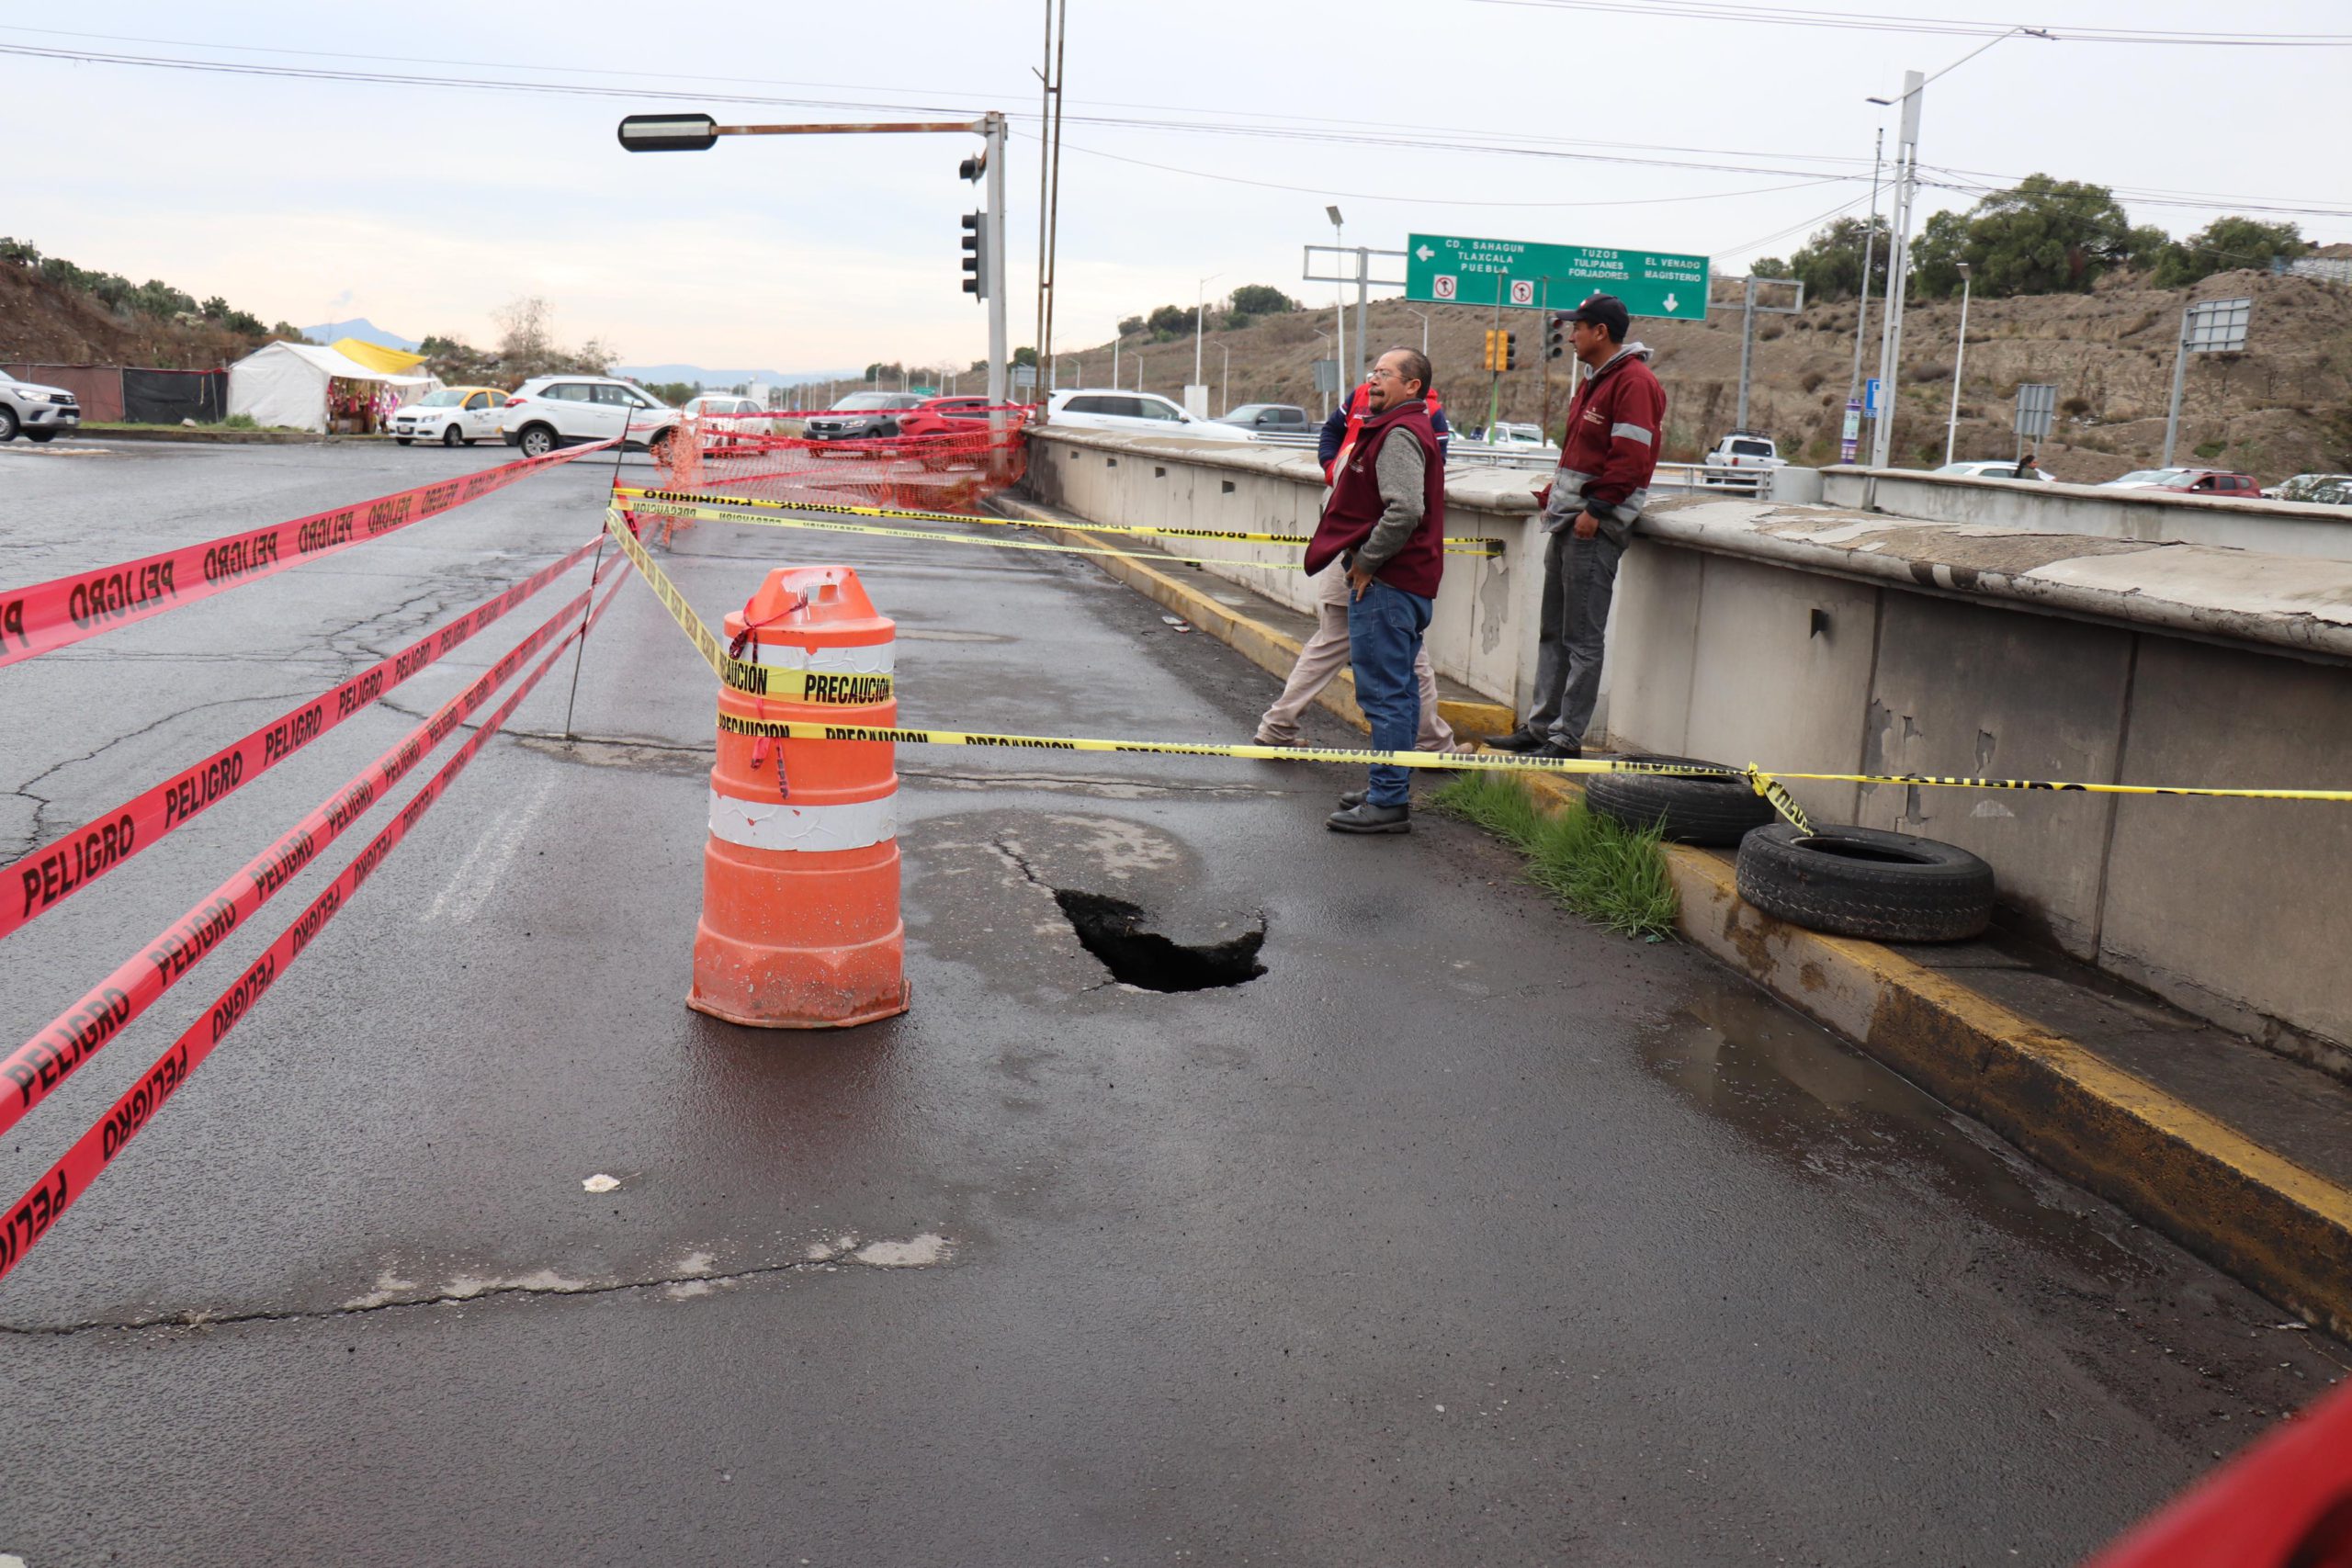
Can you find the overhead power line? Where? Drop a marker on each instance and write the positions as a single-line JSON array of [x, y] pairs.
[[1748, 12]]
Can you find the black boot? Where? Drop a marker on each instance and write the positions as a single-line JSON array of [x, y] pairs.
[[1366, 818], [1519, 739]]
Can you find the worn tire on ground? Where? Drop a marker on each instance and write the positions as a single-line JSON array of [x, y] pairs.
[[1714, 810], [1860, 882]]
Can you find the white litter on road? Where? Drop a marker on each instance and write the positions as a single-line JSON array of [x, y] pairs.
[[600, 1182]]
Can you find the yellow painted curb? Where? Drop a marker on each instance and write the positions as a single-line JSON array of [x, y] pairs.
[[2250, 1211], [1271, 651], [2283, 1230]]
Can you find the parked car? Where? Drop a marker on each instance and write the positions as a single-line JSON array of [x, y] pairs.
[[454, 416], [741, 417], [1745, 449], [1146, 413], [861, 416], [1269, 419], [2212, 481], [2326, 489], [942, 416], [1998, 468], [39, 412], [549, 411], [2144, 478]]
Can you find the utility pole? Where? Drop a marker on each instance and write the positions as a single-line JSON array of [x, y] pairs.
[[1851, 442], [1959, 358], [1898, 252], [1340, 298], [1746, 345]]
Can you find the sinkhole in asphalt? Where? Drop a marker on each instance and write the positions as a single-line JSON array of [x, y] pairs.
[[1111, 929]]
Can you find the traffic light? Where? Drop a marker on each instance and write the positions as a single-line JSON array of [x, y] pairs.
[[973, 168], [1492, 359], [1510, 351], [1556, 343], [976, 278]]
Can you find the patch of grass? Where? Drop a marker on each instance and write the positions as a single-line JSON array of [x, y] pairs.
[[246, 422], [1612, 875]]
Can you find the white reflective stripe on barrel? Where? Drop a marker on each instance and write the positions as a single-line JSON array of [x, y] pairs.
[[866, 659], [782, 825]]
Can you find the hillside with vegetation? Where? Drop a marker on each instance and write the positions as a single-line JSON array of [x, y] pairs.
[[2061, 290], [55, 312]]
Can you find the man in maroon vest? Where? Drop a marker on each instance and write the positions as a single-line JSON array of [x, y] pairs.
[[1385, 520]]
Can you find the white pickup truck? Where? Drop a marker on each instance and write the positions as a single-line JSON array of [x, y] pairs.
[[1742, 449]]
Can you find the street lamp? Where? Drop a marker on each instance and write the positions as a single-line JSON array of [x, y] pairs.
[[1338, 293], [1225, 378], [1424, 315], [1959, 355], [1199, 315], [1335, 364]]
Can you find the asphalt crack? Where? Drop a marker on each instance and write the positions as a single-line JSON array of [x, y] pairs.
[[683, 1283]]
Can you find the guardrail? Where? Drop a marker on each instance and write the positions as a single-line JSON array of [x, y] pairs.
[[1674, 479]]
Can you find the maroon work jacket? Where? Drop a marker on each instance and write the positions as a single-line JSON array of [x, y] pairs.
[[1355, 505]]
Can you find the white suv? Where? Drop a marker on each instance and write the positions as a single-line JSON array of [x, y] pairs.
[[1090, 408], [549, 411]]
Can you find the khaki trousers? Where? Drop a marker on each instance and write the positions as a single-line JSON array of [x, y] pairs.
[[1326, 654]]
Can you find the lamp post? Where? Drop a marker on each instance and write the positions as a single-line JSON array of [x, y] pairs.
[[1225, 377], [1424, 315], [1114, 356], [1340, 296], [1200, 314], [1327, 341], [1959, 356]]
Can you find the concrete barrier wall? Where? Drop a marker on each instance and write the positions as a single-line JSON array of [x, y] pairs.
[[1828, 640], [2273, 527]]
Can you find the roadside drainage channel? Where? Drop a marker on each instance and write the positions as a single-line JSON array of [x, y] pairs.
[[2246, 1209]]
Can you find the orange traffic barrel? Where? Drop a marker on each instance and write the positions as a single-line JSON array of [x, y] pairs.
[[800, 926]]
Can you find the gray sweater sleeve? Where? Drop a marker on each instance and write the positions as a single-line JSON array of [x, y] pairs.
[[1399, 471]]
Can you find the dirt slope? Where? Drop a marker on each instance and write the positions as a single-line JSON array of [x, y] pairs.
[[43, 325], [2283, 407]]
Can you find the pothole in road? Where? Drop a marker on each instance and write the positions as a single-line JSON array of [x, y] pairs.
[[1112, 930]]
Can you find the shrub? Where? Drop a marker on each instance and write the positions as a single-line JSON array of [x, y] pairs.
[[1812, 379], [2074, 408], [239, 421], [2208, 450]]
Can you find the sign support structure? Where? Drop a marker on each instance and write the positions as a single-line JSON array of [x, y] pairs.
[[1360, 257], [2216, 326]]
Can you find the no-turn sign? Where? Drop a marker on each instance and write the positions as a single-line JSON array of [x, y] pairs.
[[1523, 291], [1441, 286]]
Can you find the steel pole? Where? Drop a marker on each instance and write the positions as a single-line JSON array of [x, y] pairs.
[[1364, 296], [1870, 242], [1897, 269], [1746, 345], [1958, 357], [1000, 376], [1339, 302], [2180, 379]]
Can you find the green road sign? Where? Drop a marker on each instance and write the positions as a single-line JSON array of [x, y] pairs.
[[926, 392], [1447, 269]]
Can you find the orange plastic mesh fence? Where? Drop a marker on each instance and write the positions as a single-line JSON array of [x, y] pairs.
[[939, 465]]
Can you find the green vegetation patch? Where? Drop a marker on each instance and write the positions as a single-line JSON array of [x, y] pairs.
[[1613, 876]]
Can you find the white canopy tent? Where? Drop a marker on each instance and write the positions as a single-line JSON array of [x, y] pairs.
[[286, 383]]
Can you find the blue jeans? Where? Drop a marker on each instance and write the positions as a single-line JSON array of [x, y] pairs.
[[1384, 630]]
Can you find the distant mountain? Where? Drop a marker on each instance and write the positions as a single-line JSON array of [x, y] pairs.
[[365, 330], [702, 378]]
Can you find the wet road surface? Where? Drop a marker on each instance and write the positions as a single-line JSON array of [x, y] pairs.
[[1463, 1234]]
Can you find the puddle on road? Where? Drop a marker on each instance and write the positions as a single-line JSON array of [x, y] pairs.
[[1815, 1101]]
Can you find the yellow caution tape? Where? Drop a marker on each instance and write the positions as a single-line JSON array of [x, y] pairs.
[[636, 497], [1767, 785], [754, 680]]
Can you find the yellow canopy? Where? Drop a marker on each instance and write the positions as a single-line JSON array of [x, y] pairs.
[[376, 357]]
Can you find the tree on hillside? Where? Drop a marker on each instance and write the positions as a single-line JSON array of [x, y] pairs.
[[1171, 319], [1132, 325], [1830, 264], [2045, 236], [525, 329], [1259, 300], [2224, 243]]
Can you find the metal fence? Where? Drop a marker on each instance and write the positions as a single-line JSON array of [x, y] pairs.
[[1670, 479]]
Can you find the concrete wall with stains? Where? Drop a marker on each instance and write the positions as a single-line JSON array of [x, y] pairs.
[[2273, 527], [1823, 639]]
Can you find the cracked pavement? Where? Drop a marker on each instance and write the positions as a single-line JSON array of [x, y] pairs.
[[1465, 1234]]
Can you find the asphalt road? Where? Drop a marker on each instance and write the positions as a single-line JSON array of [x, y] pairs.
[[1465, 1234]]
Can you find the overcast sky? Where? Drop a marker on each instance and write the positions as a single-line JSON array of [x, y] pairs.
[[425, 208]]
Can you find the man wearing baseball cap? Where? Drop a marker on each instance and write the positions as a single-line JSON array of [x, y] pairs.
[[1607, 454]]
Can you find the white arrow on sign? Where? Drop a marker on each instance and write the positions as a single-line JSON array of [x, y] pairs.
[[1425, 252], [1669, 304]]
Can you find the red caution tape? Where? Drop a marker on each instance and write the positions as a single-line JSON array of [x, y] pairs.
[[45, 877], [60, 612], [50, 1058], [31, 1218]]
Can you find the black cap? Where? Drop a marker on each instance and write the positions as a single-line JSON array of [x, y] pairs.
[[1604, 311]]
